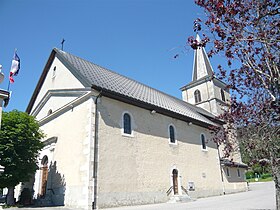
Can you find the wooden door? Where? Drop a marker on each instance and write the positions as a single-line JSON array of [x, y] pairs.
[[175, 181], [44, 176]]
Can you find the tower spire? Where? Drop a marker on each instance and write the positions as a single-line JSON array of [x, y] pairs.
[[201, 64]]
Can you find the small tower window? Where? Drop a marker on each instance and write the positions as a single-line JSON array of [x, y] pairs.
[[203, 142], [49, 112], [172, 139], [54, 72], [238, 173], [127, 124], [223, 95], [227, 171], [197, 96]]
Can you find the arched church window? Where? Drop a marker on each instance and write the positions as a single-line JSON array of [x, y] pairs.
[[197, 96], [223, 95], [203, 142], [127, 124], [50, 112], [54, 72], [172, 134]]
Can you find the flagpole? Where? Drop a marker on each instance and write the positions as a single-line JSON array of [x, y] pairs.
[[9, 85], [9, 73]]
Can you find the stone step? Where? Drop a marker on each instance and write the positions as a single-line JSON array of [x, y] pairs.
[[179, 199]]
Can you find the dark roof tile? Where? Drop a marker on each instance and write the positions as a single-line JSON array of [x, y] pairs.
[[112, 81]]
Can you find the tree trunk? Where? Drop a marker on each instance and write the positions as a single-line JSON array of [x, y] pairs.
[[10, 196], [277, 197], [276, 177]]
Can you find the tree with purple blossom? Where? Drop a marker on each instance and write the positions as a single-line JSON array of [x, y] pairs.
[[247, 33]]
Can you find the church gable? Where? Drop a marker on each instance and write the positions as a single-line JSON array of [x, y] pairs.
[[56, 75], [55, 100]]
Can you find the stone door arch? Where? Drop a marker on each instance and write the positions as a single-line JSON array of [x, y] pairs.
[[44, 176]]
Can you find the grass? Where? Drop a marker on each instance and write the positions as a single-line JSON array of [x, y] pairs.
[[268, 179]]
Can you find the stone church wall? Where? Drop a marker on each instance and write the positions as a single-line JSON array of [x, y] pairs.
[[137, 169]]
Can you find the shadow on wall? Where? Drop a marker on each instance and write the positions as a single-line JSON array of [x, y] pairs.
[[56, 185], [53, 193]]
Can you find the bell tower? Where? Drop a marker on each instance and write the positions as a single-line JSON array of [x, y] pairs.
[[205, 90]]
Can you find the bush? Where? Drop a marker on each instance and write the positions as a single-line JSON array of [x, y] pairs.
[[264, 176], [250, 174]]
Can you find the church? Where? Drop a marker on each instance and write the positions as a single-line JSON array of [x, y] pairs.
[[112, 141]]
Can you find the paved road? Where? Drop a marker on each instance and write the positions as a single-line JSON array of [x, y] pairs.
[[261, 196]]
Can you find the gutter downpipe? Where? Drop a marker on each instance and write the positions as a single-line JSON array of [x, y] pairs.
[[95, 155], [221, 170]]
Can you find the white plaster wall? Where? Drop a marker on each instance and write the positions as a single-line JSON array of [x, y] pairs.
[[71, 155], [233, 183], [63, 79], [206, 91], [137, 170]]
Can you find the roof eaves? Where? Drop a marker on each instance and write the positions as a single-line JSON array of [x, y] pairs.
[[148, 106], [40, 82], [85, 82], [197, 82], [229, 163]]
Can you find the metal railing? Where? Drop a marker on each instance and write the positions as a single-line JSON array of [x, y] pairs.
[[169, 190]]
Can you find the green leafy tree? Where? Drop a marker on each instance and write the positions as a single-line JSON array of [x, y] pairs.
[[19, 147]]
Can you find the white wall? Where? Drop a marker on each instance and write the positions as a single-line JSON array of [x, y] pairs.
[[70, 156], [137, 170], [62, 79]]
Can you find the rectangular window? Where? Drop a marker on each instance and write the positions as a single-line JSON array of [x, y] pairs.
[[127, 124], [227, 171], [238, 172], [172, 134], [203, 142]]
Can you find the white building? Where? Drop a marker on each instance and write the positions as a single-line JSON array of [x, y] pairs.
[[112, 141]]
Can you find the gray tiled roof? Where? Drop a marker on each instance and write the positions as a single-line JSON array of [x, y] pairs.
[[98, 76]]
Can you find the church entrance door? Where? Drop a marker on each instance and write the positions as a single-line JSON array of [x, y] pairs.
[[44, 179], [175, 181]]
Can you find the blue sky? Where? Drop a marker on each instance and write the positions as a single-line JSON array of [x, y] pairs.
[[136, 38]]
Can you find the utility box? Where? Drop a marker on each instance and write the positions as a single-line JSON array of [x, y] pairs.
[[191, 186]]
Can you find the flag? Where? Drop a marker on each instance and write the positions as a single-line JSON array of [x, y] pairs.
[[15, 67]]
